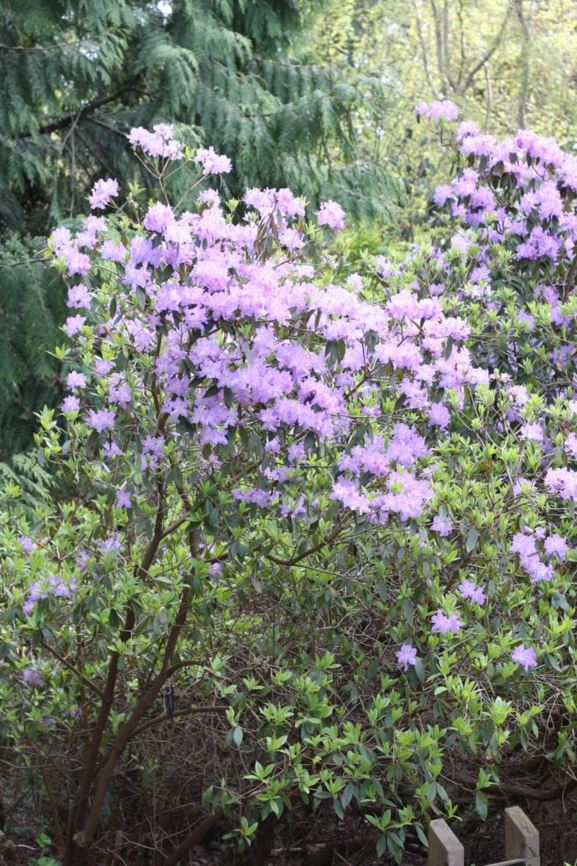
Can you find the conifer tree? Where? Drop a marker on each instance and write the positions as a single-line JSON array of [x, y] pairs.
[[230, 73]]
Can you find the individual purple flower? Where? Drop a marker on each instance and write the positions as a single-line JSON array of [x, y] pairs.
[[102, 192], [59, 588], [74, 324], [70, 404], [406, 655], [523, 486], [35, 593], [100, 419], [443, 192], [524, 656], [442, 525], [443, 624], [158, 217], [119, 392], [469, 589], [82, 559], [76, 262], [123, 499], [332, 215], [385, 268], [110, 544], [75, 380], [152, 451], [532, 432], [209, 197], [212, 162], [111, 449], [32, 677], [439, 416], [103, 367], [26, 543], [555, 545], [563, 482], [79, 296]]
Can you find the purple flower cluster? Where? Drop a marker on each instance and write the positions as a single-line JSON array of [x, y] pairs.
[[331, 214], [32, 677], [441, 623], [524, 656], [469, 590], [213, 163], [407, 656], [52, 586], [438, 109], [158, 143], [525, 544], [215, 278], [102, 192]]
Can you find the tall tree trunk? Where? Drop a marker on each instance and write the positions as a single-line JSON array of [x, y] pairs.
[[524, 63]]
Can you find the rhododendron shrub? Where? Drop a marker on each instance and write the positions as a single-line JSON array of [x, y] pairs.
[[232, 416], [308, 542], [506, 254], [502, 254]]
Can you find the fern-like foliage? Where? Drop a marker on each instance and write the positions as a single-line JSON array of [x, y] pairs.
[[31, 309], [24, 485]]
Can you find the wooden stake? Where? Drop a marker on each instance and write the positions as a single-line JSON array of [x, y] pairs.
[[444, 847], [521, 837]]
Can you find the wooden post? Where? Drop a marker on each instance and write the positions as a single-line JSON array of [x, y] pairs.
[[444, 847], [521, 837]]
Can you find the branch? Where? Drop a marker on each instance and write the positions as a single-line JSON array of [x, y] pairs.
[[191, 711], [300, 556], [84, 837], [423, 44], [79, 810], [75, 116], [193, 838], [488, 54], [71, 667]]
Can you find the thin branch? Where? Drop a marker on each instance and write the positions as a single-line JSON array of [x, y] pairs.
[[190, 711], [300, 556], [76, 116], [74, 670], [489, 53], [421, 36]]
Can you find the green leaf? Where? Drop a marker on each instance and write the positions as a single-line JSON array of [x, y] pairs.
[[471, 540], [481, 804], [348, 794]]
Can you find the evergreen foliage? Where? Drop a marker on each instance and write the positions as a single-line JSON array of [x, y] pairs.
[[22, 478], [31, 308]]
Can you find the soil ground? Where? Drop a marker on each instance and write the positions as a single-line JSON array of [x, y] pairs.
[[319, 843]]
